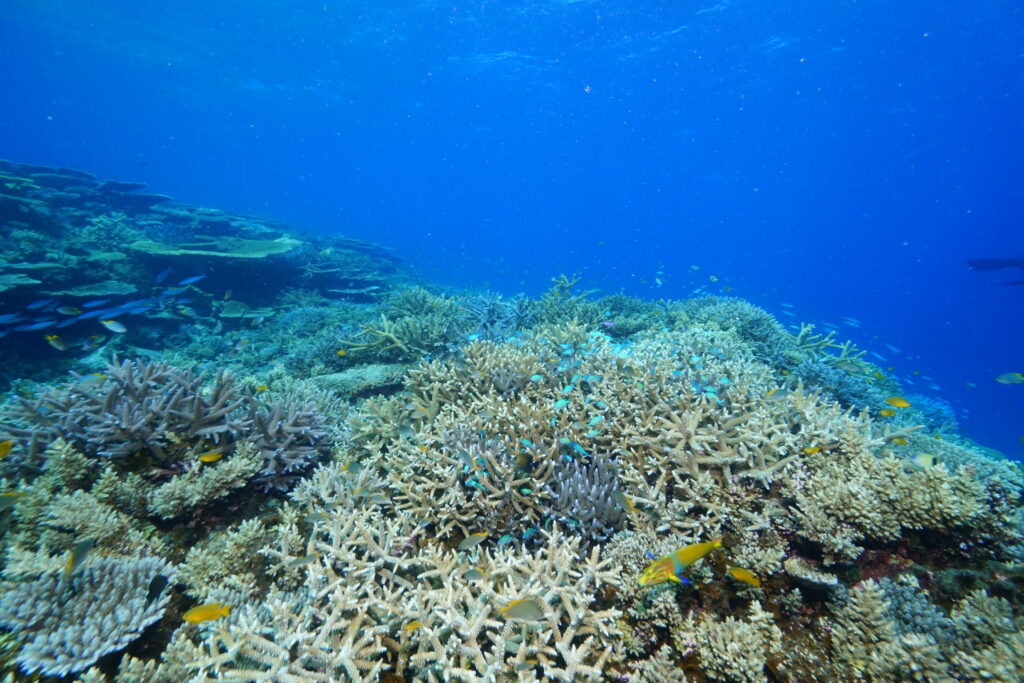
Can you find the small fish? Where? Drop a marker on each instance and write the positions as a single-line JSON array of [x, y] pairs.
[[95, 303], [79, 552], [412, 626], [31, 327], [302, 561], [526, 442], [422, 449], [156, 587], [744, 575], [201, 613], [191, 280], [536, 378], [669, 567], [162, 275], [1005, 378], [596, 420], [523, 460], [92, 379], [211, 456], [580, 449], [624, 501], [506, 539], [342, 352], [464, 456], [56, 342], [69, 310], [811, 450], [899, 441], [472, 540], [712, 278], [475, 574], [561, 403], [568, 389], [352, 466], [314, 517], [887, 412], [9, 499], [925, 460], [261, 387], [524, 610], [777, 395], [898, 402], [114, 326], [36, 305], [5, 447]]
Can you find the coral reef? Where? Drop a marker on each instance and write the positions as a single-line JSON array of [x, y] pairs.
[[386, 481]]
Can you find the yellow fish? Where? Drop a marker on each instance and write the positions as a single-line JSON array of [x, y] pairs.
[[261, 387], [527, 610], [900, 441], [811, 450], [472, 540], [212, 456], [474, 574], [412, 626], [877, 375], [624, 501], [56, 342], [5, 447], [114, 326], [342, 352], [925, 460], [201, 613], [670, 566], [744, 575], [1010, 378], [898, 402], [886, 412]]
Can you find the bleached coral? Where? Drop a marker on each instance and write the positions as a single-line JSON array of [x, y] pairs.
[[70, 623]]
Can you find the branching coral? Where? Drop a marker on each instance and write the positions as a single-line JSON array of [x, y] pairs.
[[140, 414], [73, 621]]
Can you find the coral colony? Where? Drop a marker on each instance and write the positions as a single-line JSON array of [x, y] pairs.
[[345, 474]]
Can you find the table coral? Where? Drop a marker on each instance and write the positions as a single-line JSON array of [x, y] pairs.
[[70, 623]]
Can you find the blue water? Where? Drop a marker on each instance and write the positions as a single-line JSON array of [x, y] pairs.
[[842, 157]]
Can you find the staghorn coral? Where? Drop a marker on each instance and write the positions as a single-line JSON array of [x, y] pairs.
[[135, 406], [70, 623], [142, 413]]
